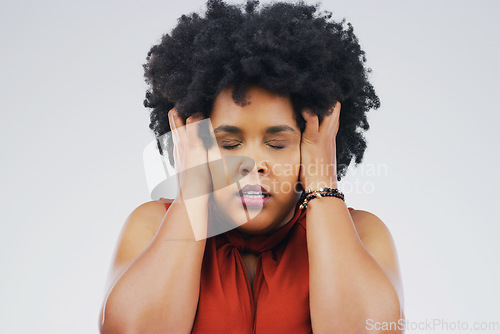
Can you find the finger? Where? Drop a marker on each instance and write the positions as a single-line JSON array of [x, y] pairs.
[[193, 118], [329, 118], [336, 119], [175, 139], [173, 129], [328, 124], [312, 124], [216, 164], [170, 119], [192, 126], [180, 126], [214, 149], [336, 129]]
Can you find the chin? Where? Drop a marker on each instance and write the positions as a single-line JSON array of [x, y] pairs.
[[255, 227], [252, 220]]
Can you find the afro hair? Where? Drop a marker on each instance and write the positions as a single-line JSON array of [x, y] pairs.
[[290, 49]]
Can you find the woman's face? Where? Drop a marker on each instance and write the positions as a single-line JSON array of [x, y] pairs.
[[260, 145]]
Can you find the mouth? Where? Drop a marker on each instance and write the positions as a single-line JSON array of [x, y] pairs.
[[253, 196]]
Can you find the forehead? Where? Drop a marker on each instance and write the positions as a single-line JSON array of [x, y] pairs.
[[264, 109]]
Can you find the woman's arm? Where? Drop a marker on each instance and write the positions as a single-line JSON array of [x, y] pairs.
[[355, 284], [158, 292]]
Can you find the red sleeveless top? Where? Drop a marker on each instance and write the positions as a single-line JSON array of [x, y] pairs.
[[280, 299]]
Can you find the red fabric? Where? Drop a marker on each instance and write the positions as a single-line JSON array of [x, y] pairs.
[[280, 299]]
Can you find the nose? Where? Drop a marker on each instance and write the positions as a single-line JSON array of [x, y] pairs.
[[249, 165]]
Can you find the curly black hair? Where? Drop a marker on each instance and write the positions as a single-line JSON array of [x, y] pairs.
[[291, 49]]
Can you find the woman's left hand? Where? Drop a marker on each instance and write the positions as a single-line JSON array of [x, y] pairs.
[[318, 150]]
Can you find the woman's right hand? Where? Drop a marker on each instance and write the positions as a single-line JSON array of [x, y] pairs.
[[190, 156]]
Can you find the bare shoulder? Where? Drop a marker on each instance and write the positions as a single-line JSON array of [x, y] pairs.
[[378, 241], [368, 224], [373, 233], [140, 228], [136, 234], [147, 216]]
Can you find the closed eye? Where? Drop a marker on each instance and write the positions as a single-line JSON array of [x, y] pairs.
[[229, 147], [229, 144], [275, 145]]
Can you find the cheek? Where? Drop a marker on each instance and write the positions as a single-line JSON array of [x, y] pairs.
[[288, 165]]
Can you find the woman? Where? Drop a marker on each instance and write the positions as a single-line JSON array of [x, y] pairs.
[[264, 104]]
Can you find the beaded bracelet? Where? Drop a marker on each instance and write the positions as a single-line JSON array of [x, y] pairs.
[[321, 192], [308, 192], [326, 189]]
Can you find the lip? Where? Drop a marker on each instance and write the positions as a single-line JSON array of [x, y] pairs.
[[253, 202]]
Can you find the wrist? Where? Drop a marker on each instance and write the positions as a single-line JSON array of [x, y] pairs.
[[312, 194], [317, 184], [324, 200]]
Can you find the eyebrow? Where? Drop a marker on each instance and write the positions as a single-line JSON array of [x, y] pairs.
[[280, 128], [271, 129], [227, 128]]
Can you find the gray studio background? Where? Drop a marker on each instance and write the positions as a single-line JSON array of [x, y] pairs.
[[73, 129]]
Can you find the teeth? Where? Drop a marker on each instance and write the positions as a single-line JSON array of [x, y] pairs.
[[253, 194]]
